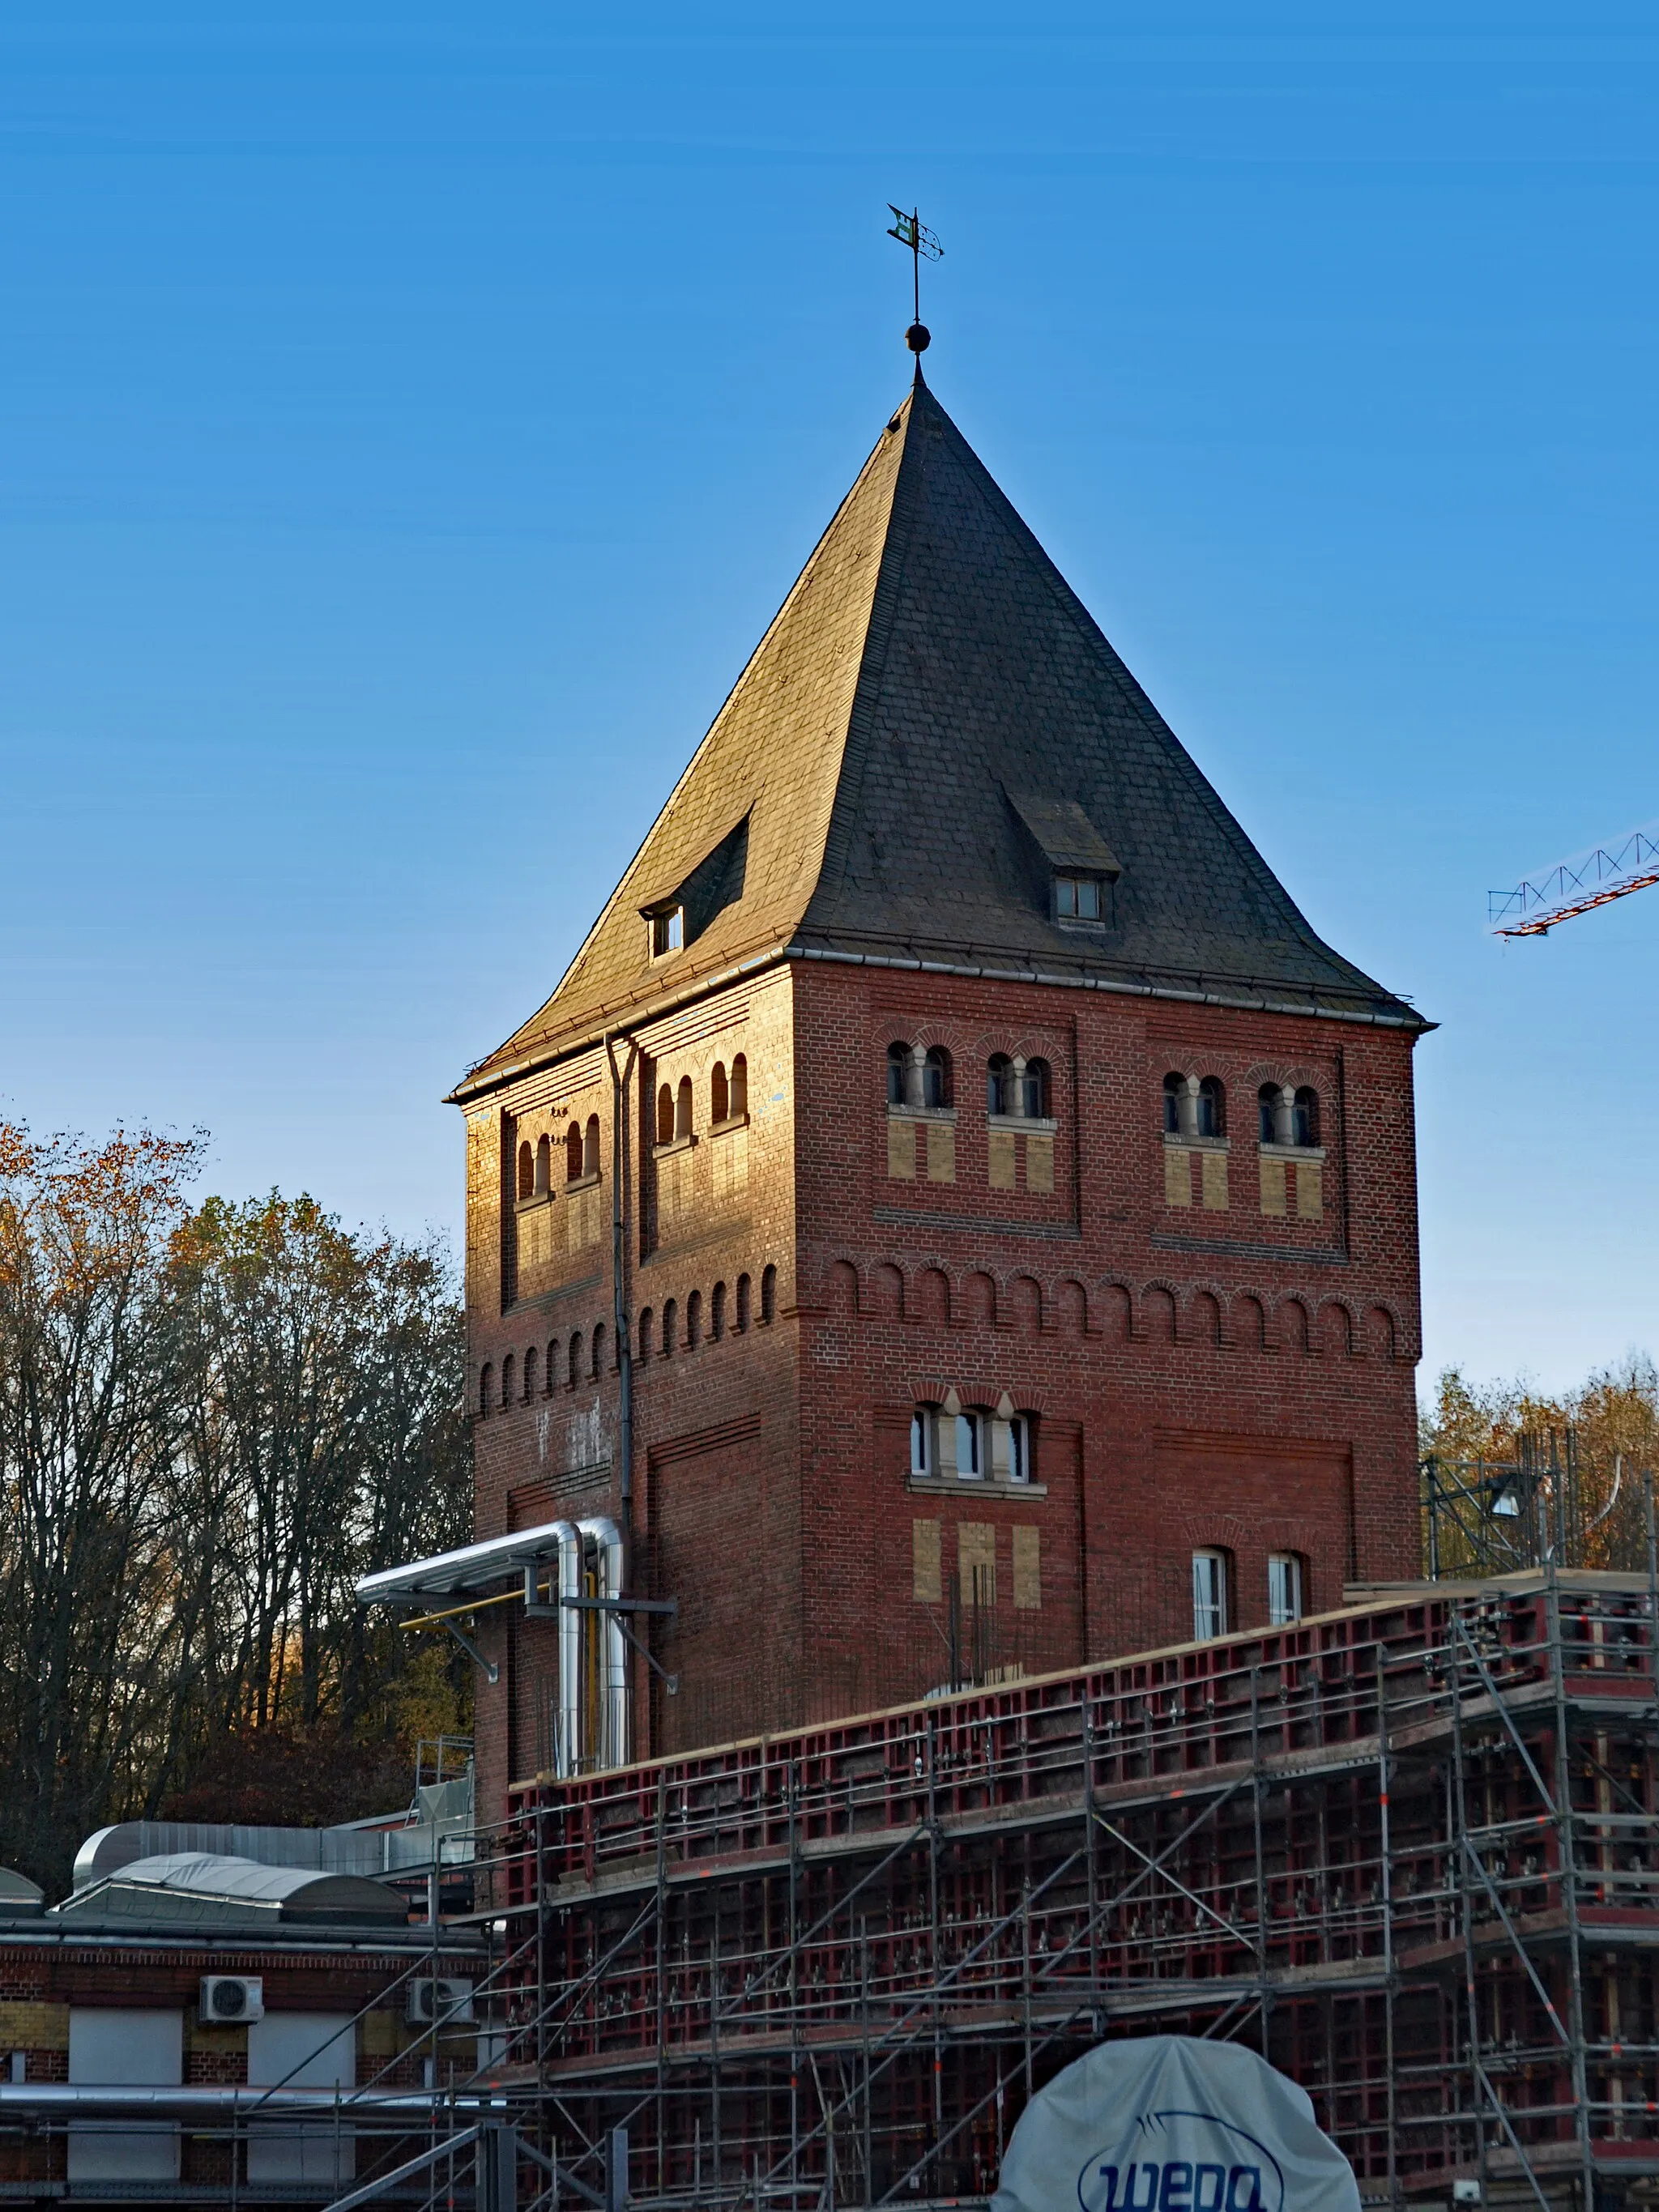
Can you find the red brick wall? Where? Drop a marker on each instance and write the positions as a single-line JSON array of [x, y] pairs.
[[1196, 1376]]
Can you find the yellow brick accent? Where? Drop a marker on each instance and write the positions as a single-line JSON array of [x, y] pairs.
[[901, 1151], [927, 1582], [1215, 1181], [1177, 1176], [1039, 1163], [1309, 1191], [1001, 1155], [383, 2034], [941, 1152], [1027, 1571], [976, 1551], [1273, 1186], [27, 2025]]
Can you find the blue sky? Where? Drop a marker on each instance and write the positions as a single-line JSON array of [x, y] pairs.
[[408, 420]]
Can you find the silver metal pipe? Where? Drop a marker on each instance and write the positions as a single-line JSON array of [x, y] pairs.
[[613, 1750], [73, 2099]]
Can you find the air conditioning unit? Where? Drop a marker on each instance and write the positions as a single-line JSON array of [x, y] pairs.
[[227, 2000], [441, 2000]]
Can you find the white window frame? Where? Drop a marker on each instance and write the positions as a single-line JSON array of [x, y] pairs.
[[1284, 1589], [1210, 1594], [667, 926]]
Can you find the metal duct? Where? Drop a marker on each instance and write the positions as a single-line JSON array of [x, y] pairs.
[[612, 1751]]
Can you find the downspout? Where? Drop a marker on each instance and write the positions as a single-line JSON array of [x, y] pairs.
[[619, 1078]]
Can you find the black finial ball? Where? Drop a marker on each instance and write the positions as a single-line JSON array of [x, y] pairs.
[[918, 338]]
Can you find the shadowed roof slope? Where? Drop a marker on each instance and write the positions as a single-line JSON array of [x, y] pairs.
[[930, 696]]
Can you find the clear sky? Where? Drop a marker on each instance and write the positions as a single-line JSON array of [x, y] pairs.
[[410, 418]]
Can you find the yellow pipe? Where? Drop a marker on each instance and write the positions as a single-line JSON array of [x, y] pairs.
[[475, 1604]]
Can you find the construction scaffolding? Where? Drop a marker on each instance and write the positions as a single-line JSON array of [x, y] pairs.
[[1407, 1851]]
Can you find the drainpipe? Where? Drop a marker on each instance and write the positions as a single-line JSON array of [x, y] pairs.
[[619, 1078]]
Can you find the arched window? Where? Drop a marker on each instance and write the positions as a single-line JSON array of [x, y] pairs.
[[486, 1384], [898, 1063], [551, 1367], [526, 1172], [669, 1317], [507, 1379], [1035, 1083], [1211, 1107], [682, 1108], [576, 1367], [664, 1115], [1304, 1117], [544, 1162], [646, 1319], [970, 1436], [1019, 1448], [573, 1152], [591, 1146], [1266, 1099], [717, 1313], [999, 1084], [1173, 1086], [530, 1360], [694, 1321], [597, 1367], [717, 1092], [769, 1294], [1212, 1577], [936, 1077], [923, 1459], [738, 1097], [742, 1303]]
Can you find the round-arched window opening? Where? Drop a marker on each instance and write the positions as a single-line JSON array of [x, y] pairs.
[[526, 1172], [683, 1108], [1173, 1085], [1266, 1101], [1034, 1084], [999, 1084], [664, 1115], [898, 1061], [923, 1459], [936, 1077], [1304, 1117], [736, 1102], [719, 1094], [591, 1146], [1211, 1107]]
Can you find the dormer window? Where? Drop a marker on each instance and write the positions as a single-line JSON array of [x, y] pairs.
[[667, 930], [1077, 898]]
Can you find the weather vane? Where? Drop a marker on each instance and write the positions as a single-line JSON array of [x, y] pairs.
[[910, 230]]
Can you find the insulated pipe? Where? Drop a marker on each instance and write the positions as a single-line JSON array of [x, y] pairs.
[[567, 1584], [51, 2098], [613, 1752], [570, 1650]]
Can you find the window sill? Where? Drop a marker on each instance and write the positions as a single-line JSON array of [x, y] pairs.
[[1292, 1152], [725, 1128], [1180, 1144], [1036, 1125], [529, 1205], [674, 1145], [1078, 926], [922, 1112], [583, 1182], [974, 1485]]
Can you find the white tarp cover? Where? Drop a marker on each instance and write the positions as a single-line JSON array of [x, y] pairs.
[[1167, 2124]]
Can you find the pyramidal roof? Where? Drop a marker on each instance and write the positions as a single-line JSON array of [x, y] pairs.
[[932, 725]]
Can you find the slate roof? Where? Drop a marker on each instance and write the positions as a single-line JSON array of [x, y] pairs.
[[931, 722]]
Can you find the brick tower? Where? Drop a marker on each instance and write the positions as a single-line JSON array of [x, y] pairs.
[[953, 1214]]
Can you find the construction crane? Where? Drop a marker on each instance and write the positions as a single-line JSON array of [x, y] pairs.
[[1575, 886]]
